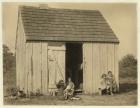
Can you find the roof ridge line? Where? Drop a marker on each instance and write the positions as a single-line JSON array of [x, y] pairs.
[[64, 9]]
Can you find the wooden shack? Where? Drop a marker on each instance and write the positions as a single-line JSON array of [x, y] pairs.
[[54, 44]]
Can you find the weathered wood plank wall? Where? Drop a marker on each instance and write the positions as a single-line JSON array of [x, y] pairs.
[[96, 66], [56, 63], [99, 58], [29, 67], [34, 73], [44, 67], [116, 65], [87, 78], [31, 63], [36, 67], [51, 69], [20, 56]]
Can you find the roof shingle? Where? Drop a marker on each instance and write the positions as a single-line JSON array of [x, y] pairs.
[[66, 25]]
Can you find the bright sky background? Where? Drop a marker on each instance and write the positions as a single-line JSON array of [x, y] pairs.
[[121, 17]]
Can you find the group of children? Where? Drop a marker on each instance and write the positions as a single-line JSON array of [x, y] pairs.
[[107, 84]]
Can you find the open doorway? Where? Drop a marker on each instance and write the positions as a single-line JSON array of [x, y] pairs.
[[74, 60]]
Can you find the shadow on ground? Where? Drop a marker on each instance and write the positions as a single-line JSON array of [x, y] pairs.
[[127, 87]]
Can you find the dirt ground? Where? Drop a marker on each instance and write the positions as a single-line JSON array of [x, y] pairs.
[[127, 96]]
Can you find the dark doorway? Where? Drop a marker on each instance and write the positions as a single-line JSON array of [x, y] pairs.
[[74, 60]]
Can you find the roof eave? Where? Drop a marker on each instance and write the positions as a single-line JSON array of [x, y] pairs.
[[69, 39]]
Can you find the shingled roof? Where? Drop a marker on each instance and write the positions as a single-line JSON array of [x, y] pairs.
[[65, 25]]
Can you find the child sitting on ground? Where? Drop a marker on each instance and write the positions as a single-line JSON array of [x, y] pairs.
[[103, 87], [69, 91], [111, 83]]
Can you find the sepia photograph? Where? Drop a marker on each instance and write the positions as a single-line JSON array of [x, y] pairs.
[[82, 54]]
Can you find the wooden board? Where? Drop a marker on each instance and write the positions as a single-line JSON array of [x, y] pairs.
[[37, 67], [44, 60], [56, 64], [23, 62], [111, 57], [103, 58], [17, 60], [60, 65], [84, 68], [87, 67], [20, 60], [96, 66], [51, 69], [116, 68], [29, 66], [17, 65], [20, 53]]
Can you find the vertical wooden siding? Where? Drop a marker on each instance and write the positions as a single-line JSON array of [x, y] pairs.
[[56, 63], [97, 65], [17, 58], [20, 56], [51, 69], [36, 76], [44, 68], [116, 65], [111, 57], [99, 58], [36, 67], [29, 67], [87, 79], [60, 64], [31, 63]]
